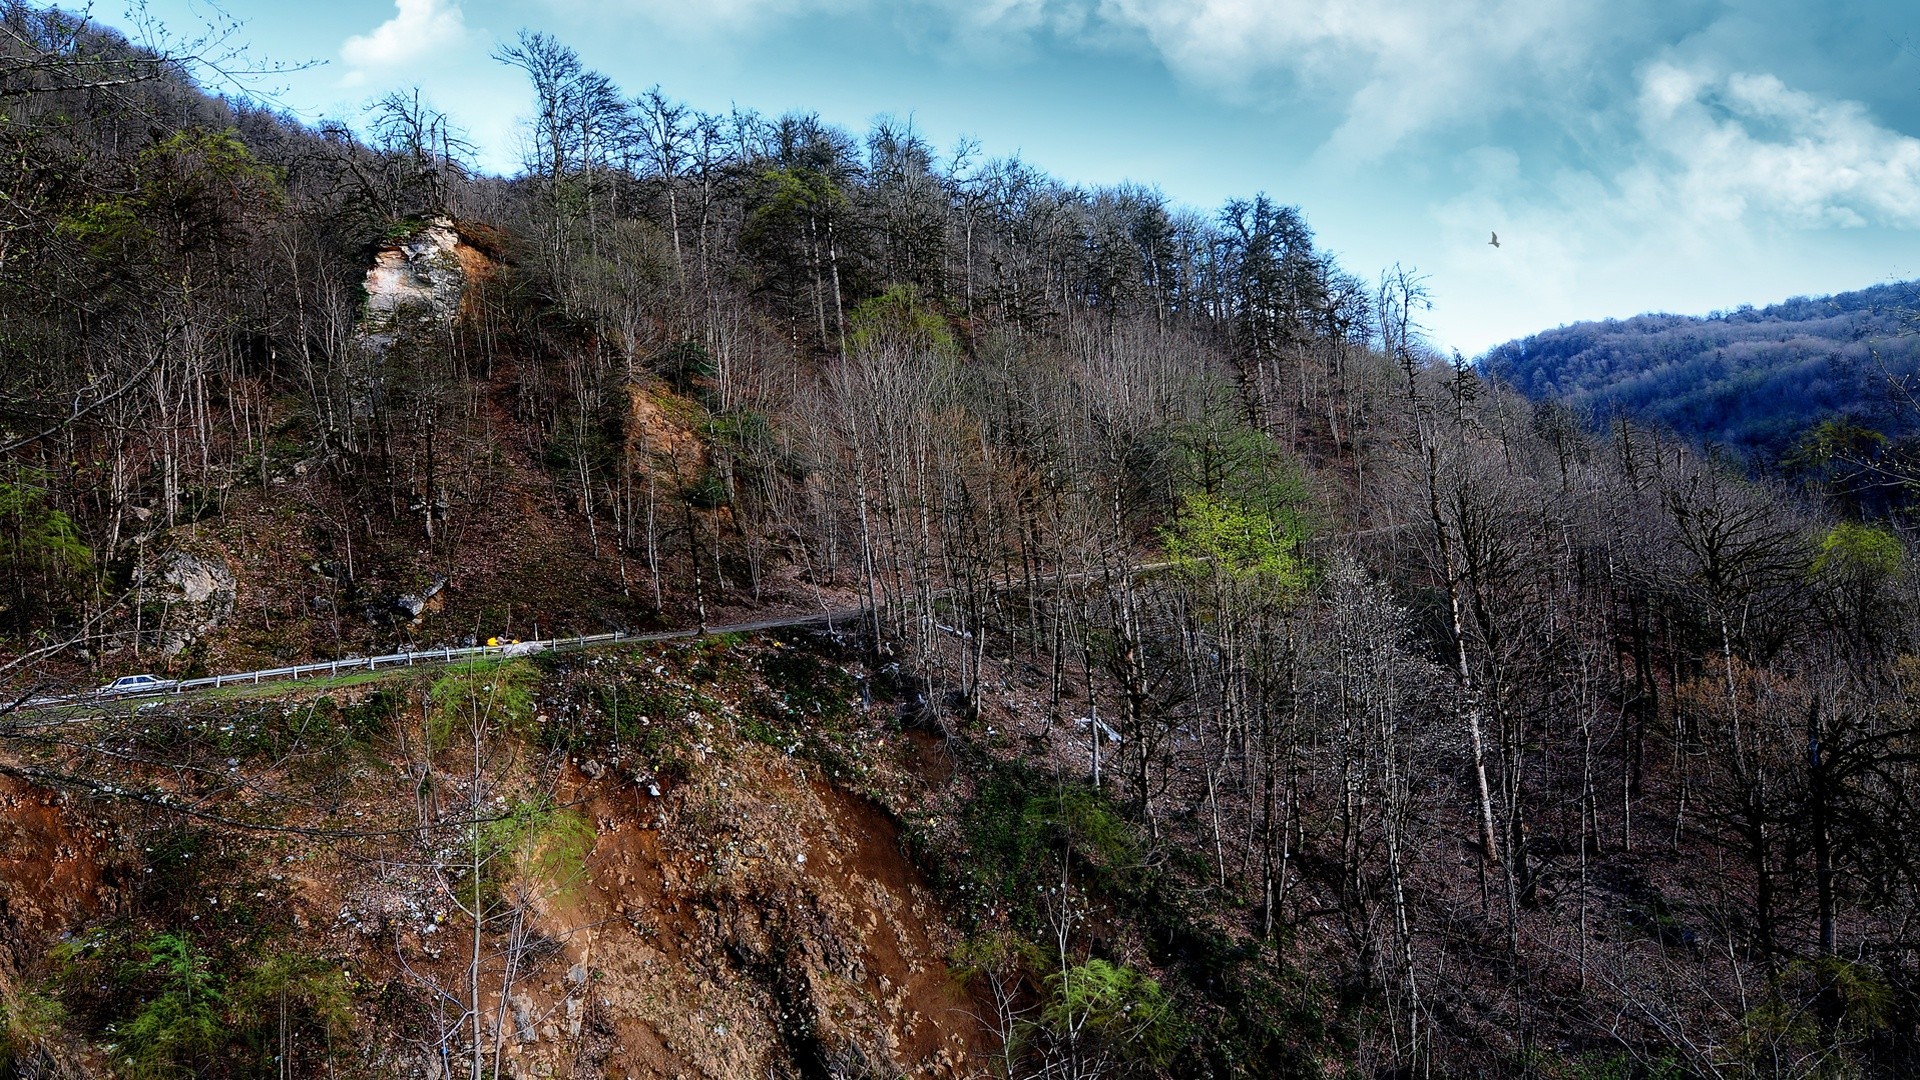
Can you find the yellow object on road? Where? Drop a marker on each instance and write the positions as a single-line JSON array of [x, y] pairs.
[[493, 643]]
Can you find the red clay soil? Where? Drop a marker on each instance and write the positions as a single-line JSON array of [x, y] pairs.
[[50, 870], [754, 922]]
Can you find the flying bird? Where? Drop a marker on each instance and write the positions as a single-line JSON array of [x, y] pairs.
[[1495, 241]]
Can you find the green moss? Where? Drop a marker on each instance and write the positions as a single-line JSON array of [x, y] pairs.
[[546, 843], [491, 694], [29, 1021]]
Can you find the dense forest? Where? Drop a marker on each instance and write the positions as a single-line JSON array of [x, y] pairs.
[[1286, 699], [1755, 382]]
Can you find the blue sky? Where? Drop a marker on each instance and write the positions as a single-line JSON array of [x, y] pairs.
[[1634, 155]]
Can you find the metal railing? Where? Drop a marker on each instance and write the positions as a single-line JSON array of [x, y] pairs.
[[450, 654], [351, 664], [435, 657]]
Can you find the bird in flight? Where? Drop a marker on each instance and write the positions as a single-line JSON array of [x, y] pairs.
[[1495, 241]]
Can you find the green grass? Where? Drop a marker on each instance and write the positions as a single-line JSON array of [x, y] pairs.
[[492, 693]]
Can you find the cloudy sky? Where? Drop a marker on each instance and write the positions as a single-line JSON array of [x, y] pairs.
[[1633, 155]]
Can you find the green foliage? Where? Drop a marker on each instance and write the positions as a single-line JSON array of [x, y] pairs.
[[1865, 1000], [1863, 551], [361, 721], [1239, 507], [789, 210], [900, 318], [1818, 1012], [310, 984], [1223, 455], [312, 734], [1126, 1012], [709, 490], [161, 1006], [180, 1023], [1085, 821], [575, 440], [685, 364], [1242, 542], [806, 686], [739, 430], [789, 196], [1243, 1009], [38, 545], [1098, 1006], [402, 228], [1019, 828], [109, 229], [1835, 440], [649, 717], [28, 1022], [211, 156], [994, 954], [187, 192]]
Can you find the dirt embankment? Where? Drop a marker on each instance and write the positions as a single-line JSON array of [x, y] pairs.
[[735, 913], [758, 922], [51, 876]]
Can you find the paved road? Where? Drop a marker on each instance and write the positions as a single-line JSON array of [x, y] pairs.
[[440, 657], [430, 657]]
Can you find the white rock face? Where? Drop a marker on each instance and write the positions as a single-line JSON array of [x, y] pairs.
[[414, 289], [197, 580], [197, 593], [421, 273]]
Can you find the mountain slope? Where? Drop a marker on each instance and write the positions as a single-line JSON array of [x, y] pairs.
[[1242, 692], [1753, 380]]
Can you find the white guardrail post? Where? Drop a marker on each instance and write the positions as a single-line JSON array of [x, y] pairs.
[[410, 657]]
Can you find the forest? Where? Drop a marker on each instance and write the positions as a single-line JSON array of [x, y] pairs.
[[1752, 382], [1291, 699]]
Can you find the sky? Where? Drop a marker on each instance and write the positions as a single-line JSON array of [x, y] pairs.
[[1632, 155]]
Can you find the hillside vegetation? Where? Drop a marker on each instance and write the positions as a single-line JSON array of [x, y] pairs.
[[1238, 689], [1755, 381]]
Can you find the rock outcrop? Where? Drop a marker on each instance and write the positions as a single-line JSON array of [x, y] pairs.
[[422, 272], [194, 594]]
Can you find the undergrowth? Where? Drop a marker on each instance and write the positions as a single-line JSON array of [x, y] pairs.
[[160, 1003]]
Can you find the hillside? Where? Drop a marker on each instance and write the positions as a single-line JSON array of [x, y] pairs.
[[1237, 689], [1753, 380]]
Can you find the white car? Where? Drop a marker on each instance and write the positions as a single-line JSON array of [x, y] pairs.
[[134, 684]]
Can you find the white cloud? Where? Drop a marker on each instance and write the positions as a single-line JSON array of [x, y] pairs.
[[1749, 146], [417, 29], [1398, 68], [1390, 69], [1726, 188]]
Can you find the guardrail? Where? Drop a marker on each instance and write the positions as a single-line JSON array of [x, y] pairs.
[[400, 659], [440, 656], [448, 655], [349, 665]]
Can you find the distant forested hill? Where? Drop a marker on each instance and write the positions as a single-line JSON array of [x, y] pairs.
[[1752, 380]]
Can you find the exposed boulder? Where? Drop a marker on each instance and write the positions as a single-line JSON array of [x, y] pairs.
[[412, 605], [415, 288], [195, 594], [422, 272]]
